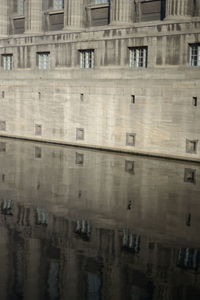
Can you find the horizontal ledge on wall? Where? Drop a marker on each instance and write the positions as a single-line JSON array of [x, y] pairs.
[[102, 148]]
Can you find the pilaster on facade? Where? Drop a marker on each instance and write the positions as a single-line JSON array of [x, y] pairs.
[[122, 12], [73, 14], [178, 9], [33, 16], [3, 18]]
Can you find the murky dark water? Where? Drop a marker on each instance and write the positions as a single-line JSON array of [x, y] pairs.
[[79, 224]]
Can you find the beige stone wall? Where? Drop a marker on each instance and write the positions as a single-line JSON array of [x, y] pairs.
[[163, 116]]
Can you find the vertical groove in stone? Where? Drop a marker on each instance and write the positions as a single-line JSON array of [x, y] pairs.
[[3, 17], [121, 12], [178, 8], [33, 16], [73, 14]]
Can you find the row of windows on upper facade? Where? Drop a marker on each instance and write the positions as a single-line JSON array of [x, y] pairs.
[[191, 145], [98, 13], [138, 58]]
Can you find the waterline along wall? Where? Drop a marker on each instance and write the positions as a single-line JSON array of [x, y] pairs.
[[121, 74]]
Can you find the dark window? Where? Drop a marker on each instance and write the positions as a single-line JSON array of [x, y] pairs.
[[2, 147], [129, 166], [2, 125], [194, 101], [79, 133], [38, 152], [130, 139], [82, 97], [79, 158], [190, 175], [191, 146], [38, 129], [133, 99]]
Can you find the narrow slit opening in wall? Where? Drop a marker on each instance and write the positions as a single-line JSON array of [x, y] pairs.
[[3, 94], [194, 101], [133, 99], [82, 97]]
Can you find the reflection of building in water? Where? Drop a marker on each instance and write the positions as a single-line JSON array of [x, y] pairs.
[[55, 264], [58, 265]]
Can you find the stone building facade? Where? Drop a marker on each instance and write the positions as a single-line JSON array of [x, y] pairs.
[[120, 75]]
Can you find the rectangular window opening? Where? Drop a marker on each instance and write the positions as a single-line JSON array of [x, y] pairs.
[[86, 59], [129, 166], [38, 129], [194, 101], [138, 57], [79, 158], [133, 99], [191, 146], [195, 54], [190, 175], [58, 4], [82, 97], [7, 62], [38, 152], [2, 147], [79, 133], [43, 60], [2, 125], [130, 139]]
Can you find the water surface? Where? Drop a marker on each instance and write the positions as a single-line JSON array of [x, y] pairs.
[[81, 224]]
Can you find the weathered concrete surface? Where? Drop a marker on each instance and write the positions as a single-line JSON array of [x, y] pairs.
[[65, 98]]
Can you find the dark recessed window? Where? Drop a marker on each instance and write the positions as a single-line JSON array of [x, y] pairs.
[[38, 152], [190, 175], [133, 99], [2, 147], [191, 146], [79, 133], [79, 158], [130, 139], [194, 101], [2, 125], [129, 166], [82, 97], [38, 129]]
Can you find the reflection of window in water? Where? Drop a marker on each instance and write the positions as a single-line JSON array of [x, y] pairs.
[[53, 281], [7, 207], [23, 216], [93, 286], [19, 262], [188, 258], [130, 241], [83, 228], [41, 217], [137, 293]]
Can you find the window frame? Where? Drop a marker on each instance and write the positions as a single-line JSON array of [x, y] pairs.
[[5, 65], [194, 59], [40, 64], [87, 62], [138, 57]]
